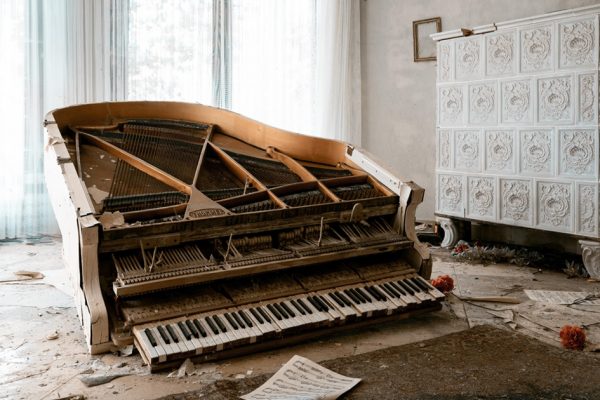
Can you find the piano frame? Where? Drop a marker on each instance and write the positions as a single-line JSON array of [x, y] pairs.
[[82, 232]]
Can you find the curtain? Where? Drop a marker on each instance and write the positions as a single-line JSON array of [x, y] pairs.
[[296, 65], [293, 64]]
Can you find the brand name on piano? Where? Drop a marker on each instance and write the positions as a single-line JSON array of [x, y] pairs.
[[206, 212]]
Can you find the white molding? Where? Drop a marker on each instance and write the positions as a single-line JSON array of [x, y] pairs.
[[549, 17]]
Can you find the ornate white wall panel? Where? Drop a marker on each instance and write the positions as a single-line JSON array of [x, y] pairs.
[[518, 117]]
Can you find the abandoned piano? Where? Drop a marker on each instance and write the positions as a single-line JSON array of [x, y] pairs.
[[193, 231]]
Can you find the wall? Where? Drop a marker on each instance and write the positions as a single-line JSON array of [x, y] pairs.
[[398, 95]]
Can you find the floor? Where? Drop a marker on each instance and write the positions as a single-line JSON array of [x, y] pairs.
[[43, 353]]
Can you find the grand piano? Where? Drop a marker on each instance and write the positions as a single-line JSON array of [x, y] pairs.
[[194, 232]]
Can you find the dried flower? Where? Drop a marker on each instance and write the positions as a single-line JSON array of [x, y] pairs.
[[443, 283], [572, 337]]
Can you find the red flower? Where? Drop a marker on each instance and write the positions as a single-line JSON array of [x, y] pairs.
[[572, 337], [443, 283]]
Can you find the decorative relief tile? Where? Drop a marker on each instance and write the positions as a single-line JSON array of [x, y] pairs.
[[482, 104], [554, 205], [578, 43], [578, 150], [517, 102], [499, 151], [468, 58], [554, 100], [588, 96], [587, 209], [481, 194], [515, 201], [467, 154], [536, 152], [450, 194], [444, 149], [445, 61], [500, 54], [536, 49], [451, 106]]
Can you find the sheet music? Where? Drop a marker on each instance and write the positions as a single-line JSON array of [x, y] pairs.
[[303, 379], [563, 297]]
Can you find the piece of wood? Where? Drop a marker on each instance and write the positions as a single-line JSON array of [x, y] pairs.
[[138, 163], [302, 172], [98, 329]]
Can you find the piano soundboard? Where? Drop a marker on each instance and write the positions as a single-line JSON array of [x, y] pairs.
[[195, 232]]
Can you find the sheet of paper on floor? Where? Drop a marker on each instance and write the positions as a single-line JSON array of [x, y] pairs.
[[563, 297], [301, 378]]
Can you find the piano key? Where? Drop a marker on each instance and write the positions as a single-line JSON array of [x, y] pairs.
[[163, 334], [263, 314], [161, 351], [178, 339], [189, 340], [220, 323], [212, 325], [336, 315], [245, 317], [169, 348], [343, 310], [392, 295], [147, 340], [186, 332], [229, 319], [267, 329], [404, 294], [236, 335], [309, 316], [211, 337], [418, 292], [256, 316], [432, 290], [276, 320], [409, 289], [304, 305], [244, 331], [298, 307]]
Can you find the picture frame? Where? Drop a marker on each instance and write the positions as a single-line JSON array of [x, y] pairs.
[[423, 46]]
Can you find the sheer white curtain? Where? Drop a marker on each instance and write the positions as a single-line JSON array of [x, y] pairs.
[[296, 65]]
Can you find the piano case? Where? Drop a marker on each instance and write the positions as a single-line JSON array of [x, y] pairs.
[[193, 231]]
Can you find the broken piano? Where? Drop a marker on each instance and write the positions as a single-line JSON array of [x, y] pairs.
[[193, 231]]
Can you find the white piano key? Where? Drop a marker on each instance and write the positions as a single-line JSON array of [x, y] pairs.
[[145, 342]]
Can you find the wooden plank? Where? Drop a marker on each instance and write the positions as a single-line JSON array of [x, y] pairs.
[[138, 163], [243, 174], [89, 236], [302, 172]]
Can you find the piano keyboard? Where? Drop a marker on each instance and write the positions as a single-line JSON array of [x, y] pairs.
[[234, 327]]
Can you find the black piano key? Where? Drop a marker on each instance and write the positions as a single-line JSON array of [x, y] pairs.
[[287, 309], [380, 293], [406, 287], [192, 328], [163, 334], [346, 300], [150, 337], [264, 314], [257, 316], [298, 307], [281, 310], [314, 303], [364, 294], [355, 299], [336, 299], [184, 330], [398, 288], [200, 328], [212, 325], [303, 305], [239, 320], [245, 318], [387, 290], [370, 291], [231, 321], [358, 295], [274, 312], [415, 287], [324, 302], [219, 323], [172, 333], [421, 284], [321, 303]]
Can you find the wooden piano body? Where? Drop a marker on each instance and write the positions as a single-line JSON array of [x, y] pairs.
[[182, 217]]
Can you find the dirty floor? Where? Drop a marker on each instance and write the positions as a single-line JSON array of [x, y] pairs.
[[43, 353]]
